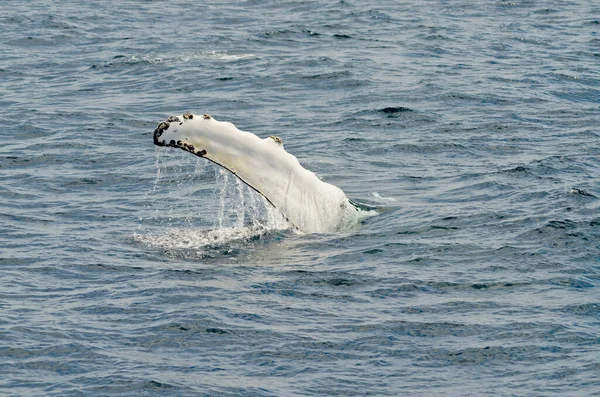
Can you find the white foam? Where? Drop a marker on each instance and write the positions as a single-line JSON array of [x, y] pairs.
[[379, 196], [196, 239], [171, 59]]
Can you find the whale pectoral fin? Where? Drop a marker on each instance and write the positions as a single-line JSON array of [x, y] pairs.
[[309, 204]]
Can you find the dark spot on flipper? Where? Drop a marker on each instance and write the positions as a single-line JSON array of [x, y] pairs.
[[188, 116], [172, 143], [201, 153], [206, 116], [162, 127], [191, 148], [277, 139], [172, 119], [178, 143]]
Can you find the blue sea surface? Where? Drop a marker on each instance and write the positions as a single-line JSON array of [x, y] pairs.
[[131, 270]]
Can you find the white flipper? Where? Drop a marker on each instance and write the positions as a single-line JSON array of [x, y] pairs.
[[308, 203]]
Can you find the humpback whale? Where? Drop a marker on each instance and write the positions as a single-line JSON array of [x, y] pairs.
[[308, 203]]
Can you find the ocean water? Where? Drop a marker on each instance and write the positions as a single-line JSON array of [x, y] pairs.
[[129, 270]]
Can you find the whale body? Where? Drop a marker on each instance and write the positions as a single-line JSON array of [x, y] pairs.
[[308, 203]]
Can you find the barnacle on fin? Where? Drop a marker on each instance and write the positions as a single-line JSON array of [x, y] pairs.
[[277, 139]]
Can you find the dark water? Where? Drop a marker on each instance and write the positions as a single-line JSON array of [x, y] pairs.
[[473, 125]]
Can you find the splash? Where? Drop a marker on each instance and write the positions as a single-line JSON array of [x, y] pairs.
[[230, 213]]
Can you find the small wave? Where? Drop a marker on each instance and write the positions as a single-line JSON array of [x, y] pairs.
[[395, 110], [223, 56], [379, 196], [330, 75], [520, 169], [172, 59], [185, 57]]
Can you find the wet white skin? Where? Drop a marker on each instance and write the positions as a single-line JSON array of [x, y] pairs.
[[309, 204]]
